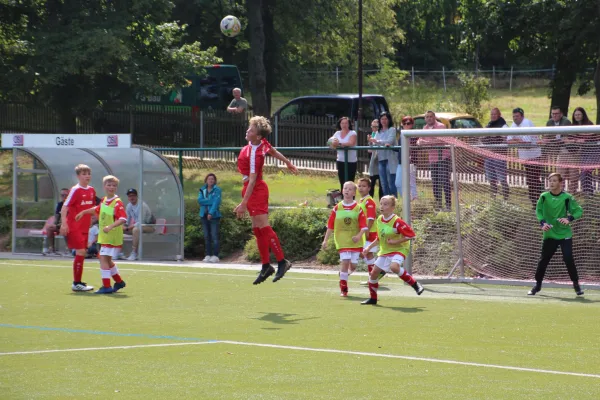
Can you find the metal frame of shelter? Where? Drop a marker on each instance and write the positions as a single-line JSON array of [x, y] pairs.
[[153, 176], [456, 133]]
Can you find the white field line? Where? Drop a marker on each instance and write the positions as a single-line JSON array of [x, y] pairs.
[[138, 346], [386, 282], [318, 350]]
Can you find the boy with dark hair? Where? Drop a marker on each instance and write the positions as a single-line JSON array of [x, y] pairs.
[[81, 197], [555, 211]]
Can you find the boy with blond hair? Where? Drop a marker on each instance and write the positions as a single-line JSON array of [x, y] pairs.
[[111, 216], [81, 197]]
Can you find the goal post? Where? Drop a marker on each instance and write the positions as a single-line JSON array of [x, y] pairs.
[[470, 194]]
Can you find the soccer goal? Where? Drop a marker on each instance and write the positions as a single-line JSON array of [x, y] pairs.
[[470, 194]]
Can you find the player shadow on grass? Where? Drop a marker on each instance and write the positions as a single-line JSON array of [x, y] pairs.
[[118, 295], [379, 305], [279, 318], [570, 299]]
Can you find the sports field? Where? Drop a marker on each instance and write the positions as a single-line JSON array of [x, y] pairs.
[[198, 332]]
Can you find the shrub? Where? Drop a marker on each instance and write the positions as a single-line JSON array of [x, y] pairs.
[[474, 91], [233, 232], [300, 231], [329, 256]]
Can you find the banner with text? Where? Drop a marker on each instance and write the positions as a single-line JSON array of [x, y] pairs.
[[67, 141]]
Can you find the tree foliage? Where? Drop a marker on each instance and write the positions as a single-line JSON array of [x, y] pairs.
[[74, 54]]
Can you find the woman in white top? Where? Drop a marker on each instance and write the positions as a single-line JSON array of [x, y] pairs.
[[388, 160], [344, 137]]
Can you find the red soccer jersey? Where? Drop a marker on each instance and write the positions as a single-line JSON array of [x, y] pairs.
[[252, 159], [119, 212], [371, 208], [401, 227], [78, 200]]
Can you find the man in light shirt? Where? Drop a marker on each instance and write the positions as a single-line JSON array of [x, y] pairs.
[[530, 152]]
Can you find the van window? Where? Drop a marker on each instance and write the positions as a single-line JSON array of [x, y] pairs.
[[324, 107], [467, 123], [369, 108], [289, 112]]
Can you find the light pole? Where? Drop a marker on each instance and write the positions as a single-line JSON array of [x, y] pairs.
[[360, 60]]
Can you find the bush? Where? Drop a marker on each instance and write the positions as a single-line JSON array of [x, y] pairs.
[[474, 91], [329, 256], [233, 232], [300, 231]]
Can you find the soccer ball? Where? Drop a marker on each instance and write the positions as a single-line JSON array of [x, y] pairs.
[[230, 26]]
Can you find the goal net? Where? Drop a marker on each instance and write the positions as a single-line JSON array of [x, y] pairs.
[[476, 192]]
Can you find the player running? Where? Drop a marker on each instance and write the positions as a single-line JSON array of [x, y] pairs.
[[255, 196]]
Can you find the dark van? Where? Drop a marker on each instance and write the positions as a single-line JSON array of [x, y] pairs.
[[211, 91], [332, 106]]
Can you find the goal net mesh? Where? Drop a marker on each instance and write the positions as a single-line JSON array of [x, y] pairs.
[[499, 183]]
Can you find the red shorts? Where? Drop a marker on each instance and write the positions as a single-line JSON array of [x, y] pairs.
[[258, 204], [77, 240]]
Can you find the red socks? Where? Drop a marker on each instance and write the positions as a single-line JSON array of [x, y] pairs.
[[344, 282], [105, 273], [406, 277], [273, 242], [78, 268], [263, 246], [373, 286], [114, 272]]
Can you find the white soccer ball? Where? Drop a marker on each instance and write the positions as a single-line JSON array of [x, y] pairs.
[[231, 26]]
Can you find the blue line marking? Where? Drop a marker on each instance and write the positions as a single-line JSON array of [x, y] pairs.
[[92, 332]]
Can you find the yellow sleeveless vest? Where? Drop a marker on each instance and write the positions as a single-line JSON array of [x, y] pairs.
[[385, 231], [106, 218], [346, 226], [363, 205]]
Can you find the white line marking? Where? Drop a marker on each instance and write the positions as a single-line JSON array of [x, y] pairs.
[[387, 282], [317, 350], [424, 359], [105, 348]]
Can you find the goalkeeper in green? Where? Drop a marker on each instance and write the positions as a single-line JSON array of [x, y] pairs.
[[555, 211]]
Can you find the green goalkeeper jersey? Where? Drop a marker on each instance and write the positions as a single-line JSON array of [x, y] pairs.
[[550, 207]]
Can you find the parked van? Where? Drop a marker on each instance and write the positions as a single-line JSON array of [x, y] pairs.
[[213, 90], [332, 106]]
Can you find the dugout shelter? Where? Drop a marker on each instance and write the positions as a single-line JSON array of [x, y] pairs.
[[43, 164]]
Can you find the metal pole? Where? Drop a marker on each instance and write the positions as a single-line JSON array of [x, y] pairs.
[[461, 261], [140, 223], [360, 59], [511, 75], [131, 121], [444, 76], [35, 181], [180, 157], [413, 77], [14, 202], [276, 131], [405, 155], [337, 77], [494, 76], [201, 134], [346, 164]]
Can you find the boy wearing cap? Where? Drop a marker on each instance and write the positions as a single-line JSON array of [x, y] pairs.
[[134, 221]]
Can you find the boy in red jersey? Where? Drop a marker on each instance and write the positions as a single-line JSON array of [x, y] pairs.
[[255, 196], [393, 238], [111, 214], [348, 223], [370, 209], [81, 197]]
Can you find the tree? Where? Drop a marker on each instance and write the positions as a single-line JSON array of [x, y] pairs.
[[256, 57], [75, 54]]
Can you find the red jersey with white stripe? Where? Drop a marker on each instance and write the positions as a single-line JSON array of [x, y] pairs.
[[80, 199], [252, 159], [119, 212]]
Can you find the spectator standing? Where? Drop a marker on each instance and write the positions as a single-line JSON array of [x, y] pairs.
[[238, 105], [387, 159], [374, 162], [568, 153], [589, 156], [344, 137], [408, 123], [53, 229], [495, 169], [532, 152], [209, 198], [135, 221], [439, 163]]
